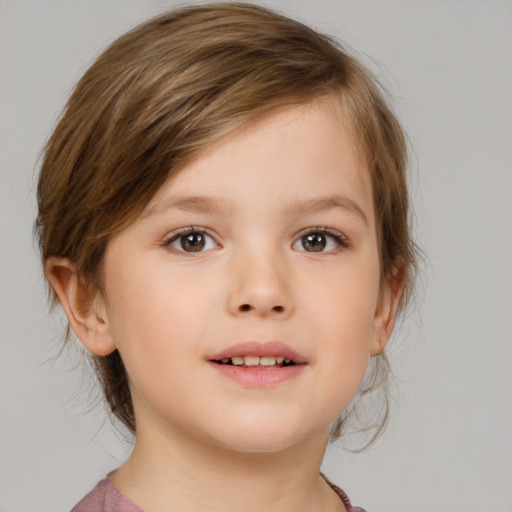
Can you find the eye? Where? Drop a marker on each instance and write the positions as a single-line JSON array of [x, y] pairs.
[[190, 240], [320, 240]]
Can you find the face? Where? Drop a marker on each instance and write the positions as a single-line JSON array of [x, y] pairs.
[[245, 300]]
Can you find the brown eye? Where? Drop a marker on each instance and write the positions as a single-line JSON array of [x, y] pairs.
[[314, 242], [193, 242], [321, 240]]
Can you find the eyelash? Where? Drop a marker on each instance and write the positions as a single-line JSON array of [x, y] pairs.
[[176, 235], [340, 240]]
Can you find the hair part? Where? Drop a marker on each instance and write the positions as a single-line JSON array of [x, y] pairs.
[[169, 89]]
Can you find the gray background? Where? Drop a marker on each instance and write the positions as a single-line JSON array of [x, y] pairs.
[[448, 64]]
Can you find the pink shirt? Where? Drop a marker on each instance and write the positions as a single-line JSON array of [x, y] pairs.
[[107, 498]]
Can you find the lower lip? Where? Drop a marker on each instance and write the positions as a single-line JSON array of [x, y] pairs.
[[259, 377]]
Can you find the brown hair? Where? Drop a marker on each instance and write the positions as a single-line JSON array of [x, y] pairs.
[[171, 87]]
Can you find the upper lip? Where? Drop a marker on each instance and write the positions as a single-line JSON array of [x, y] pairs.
[[260, 349]]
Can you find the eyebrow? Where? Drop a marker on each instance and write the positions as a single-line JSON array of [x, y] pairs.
[[325, 203], [198, 204], [214, 205]]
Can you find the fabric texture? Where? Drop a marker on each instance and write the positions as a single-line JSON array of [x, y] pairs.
[[342, 496], [105, 497]]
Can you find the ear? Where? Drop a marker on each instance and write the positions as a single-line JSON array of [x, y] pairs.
[[84, 308], [385, 314]]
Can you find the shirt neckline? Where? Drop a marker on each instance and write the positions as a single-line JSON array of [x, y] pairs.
[[121, 497]]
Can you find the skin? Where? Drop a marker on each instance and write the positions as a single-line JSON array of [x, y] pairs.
[[204, 441]]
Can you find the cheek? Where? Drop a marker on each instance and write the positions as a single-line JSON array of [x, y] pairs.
[[343, 314], [157, 318], [345, 305], [148, 299], [347, 333]]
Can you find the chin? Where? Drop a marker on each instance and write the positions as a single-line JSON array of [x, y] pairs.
[[263, 438], [259, 445]]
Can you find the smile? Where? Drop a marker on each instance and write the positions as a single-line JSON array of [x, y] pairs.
[[257, 362]]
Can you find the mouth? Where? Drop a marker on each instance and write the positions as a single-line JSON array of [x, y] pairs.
[[259, 365], [255, 354], [265, 362]]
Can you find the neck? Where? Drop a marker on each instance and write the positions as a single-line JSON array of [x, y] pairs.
[[172, 471]]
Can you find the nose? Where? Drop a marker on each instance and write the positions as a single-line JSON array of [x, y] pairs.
[[260, 286]]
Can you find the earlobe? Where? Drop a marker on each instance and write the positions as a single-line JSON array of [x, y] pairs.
[[385, 314], [84, 308]]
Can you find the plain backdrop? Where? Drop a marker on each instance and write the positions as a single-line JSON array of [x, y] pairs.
[[448, 65]]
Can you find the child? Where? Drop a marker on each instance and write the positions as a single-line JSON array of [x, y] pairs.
[[223, 216]]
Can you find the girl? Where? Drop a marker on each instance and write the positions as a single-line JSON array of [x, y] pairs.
[[223, 216]]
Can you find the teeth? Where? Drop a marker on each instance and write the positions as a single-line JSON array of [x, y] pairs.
[[255, 360], [252, 360]]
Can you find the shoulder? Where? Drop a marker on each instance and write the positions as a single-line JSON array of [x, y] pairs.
[[105, 498]]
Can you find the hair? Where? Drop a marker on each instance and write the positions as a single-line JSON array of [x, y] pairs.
[[170, 88]]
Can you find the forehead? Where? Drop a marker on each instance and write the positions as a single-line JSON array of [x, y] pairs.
[[291, 154]]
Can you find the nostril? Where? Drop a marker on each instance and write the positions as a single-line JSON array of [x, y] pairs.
[[249, 307]]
